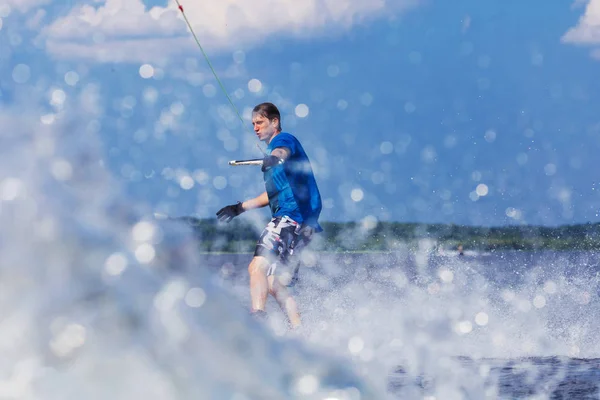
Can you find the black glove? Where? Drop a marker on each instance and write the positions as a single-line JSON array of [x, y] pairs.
[[269, 162], [307, 231], [227, 213]]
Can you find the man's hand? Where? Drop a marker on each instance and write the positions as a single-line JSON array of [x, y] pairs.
[[307, 231], [269, 162], [227, 213]]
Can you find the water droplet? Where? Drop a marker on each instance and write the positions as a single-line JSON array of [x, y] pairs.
[[146, 71], [21, 73], [301, 110], [254, 85]]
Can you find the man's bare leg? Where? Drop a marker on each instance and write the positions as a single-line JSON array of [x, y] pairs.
[[285, 301], [259, 286]]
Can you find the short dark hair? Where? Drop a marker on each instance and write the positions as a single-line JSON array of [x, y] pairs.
[[269, 111]]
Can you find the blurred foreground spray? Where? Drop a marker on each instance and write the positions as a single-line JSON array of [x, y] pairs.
[[100, 302]]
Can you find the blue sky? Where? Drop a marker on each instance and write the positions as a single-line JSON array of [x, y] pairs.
[[468, 112]]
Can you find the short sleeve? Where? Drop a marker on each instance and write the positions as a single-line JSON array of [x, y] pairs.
[[285, 140]]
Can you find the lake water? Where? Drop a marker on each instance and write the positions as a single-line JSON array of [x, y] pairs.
[[100, 306], [430, 323]]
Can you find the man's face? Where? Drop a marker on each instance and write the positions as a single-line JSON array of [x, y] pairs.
[[264, 129]]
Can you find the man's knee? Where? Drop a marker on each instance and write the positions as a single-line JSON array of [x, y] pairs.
[[273, 286], [258, 264]]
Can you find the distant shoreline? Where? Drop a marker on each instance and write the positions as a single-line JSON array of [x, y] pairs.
[[239, 237]]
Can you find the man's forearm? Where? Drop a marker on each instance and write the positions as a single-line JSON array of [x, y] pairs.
[[257, 202]]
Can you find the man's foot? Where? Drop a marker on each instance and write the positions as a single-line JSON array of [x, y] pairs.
[[294, 326], [259, 315]]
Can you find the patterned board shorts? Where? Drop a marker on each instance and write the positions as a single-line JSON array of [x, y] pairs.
[[281, 242]]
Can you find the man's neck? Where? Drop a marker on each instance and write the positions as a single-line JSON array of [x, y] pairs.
[[275, 134]]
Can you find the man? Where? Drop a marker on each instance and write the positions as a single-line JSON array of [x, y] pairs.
[[295, 202]]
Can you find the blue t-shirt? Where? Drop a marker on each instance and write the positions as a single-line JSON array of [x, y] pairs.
[[291, 186]]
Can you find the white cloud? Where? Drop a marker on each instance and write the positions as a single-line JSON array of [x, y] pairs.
[[587, 30], [22, 5], [116, 18], [125, 31]]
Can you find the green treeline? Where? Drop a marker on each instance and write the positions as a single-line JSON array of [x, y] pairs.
[[239, 236]]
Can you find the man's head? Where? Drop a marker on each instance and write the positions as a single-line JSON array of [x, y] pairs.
[[266, 121]]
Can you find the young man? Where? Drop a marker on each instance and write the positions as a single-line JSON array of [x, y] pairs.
[[295, 202]]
